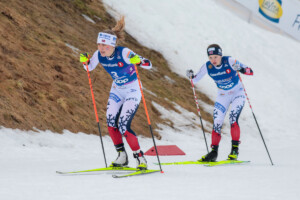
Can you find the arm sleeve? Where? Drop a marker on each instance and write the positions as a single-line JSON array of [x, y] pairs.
[[233, 61], [244, 68], [200, 74], [127, 53], [93, 61]]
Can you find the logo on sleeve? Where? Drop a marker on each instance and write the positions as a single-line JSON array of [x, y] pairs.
[[121, 64]]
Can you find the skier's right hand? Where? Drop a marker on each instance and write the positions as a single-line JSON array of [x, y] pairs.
[[84, 58], [135, 59], [190, 74]]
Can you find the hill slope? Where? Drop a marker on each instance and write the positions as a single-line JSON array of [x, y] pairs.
[[42, 83]]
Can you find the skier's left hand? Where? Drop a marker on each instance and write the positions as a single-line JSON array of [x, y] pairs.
[[246, 71], [136, 60]]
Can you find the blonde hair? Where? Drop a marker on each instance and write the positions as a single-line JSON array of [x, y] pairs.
[[118, 30]]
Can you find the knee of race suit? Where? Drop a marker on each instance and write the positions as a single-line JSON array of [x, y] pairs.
[[218, 126], [125, 129]]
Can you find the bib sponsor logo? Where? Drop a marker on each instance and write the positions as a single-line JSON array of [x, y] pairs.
[[109, 65], [223, 81], [271, 9], [121, 64], [217, 74], [226, 86], [121, 81]]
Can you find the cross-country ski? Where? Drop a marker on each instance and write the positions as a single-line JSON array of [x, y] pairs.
[[125, 168], [137, 173]]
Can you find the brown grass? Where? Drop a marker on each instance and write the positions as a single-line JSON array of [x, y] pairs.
[[42, 83]]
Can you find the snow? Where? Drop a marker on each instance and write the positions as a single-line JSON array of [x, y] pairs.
[[88, 18], [29, 161], [181, 31], [74, 49]]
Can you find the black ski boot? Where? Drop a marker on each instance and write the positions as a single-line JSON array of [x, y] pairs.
[[211, 156], [234, 150]]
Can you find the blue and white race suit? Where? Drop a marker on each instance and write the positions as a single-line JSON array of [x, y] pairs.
[[230, 91], [125, 94]]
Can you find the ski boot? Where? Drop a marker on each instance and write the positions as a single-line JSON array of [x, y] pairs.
[[234, 150], [122, 159], [211, 156], [140, 160]]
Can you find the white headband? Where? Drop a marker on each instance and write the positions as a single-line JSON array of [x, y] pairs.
[[105, 38]]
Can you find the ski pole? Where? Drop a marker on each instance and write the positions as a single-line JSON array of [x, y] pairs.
[[96, 114], [255, 119], [148, 118], [198, 109]]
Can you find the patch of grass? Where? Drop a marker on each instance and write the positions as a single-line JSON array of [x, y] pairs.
[[42, 76]]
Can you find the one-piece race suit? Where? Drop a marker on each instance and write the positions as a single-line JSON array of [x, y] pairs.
[[230, 91], [125, 94]]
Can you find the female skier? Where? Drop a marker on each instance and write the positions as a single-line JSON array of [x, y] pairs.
[[125, 94], [224, 71]]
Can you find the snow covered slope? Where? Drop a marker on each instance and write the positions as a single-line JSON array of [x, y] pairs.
[[181, 30]]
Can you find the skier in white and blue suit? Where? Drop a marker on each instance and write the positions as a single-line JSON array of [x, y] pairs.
[[125, 94], [224, 71]]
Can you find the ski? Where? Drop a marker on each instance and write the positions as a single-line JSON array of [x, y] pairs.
[[186, 163], [126, 168], [207, 164], [137, 173], [225, 162]]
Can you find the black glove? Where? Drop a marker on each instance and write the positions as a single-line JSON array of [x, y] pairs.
[[190, 74]]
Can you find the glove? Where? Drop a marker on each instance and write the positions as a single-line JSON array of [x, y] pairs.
[[85, 58], [135, 59], [190, 74], [247, 71], [236, 67]]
